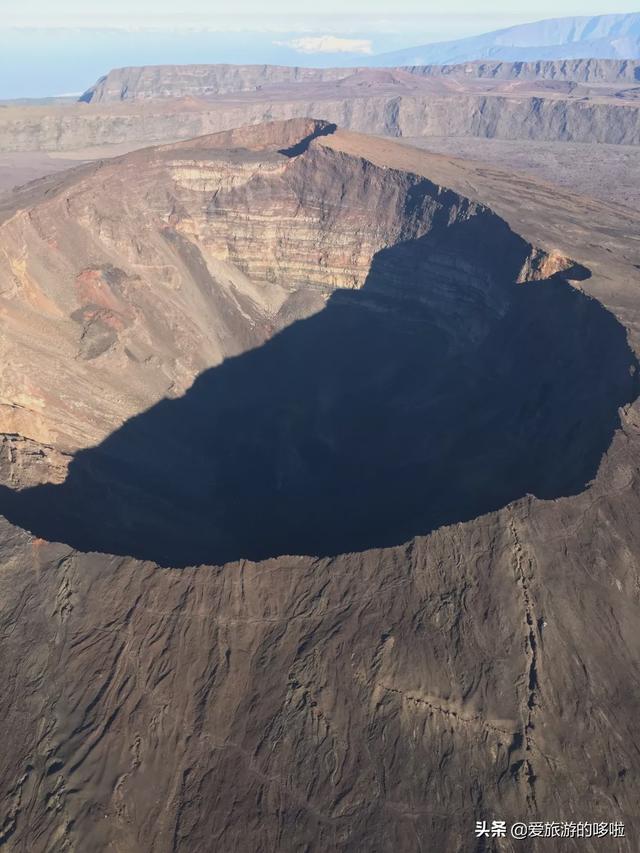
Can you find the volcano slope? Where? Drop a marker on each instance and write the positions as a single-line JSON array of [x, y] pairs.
[[289, 339]]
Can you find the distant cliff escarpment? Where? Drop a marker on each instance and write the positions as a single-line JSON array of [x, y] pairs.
[[205, 81], [181, 81], [578, 101]]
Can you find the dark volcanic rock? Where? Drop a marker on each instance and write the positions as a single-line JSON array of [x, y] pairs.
[[436, 361]]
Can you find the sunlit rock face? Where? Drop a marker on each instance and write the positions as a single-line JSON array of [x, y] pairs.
[[120, 283]]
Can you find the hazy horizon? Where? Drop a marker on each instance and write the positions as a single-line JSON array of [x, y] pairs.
[[44, 55]]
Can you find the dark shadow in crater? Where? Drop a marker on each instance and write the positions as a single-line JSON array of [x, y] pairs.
[[440, 391]]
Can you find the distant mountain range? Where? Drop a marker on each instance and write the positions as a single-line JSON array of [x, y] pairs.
[[600, 37]]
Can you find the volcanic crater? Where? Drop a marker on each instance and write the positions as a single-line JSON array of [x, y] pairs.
[[420, 364]]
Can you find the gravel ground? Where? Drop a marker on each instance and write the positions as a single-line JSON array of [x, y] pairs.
[[606, 172]]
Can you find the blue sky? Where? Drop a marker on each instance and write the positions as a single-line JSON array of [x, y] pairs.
[[50, 48], [137, 9]]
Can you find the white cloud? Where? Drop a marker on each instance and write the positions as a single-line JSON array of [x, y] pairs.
[[327, 44]]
